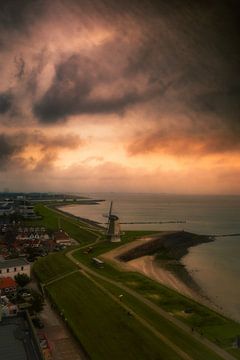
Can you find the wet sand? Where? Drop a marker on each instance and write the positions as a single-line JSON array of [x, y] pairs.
[[150, 267]]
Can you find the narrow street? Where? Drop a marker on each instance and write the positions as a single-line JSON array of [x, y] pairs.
[[62, 343]]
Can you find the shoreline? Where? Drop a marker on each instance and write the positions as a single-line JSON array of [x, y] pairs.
[[175, 275], [169, 272], [87, 221]]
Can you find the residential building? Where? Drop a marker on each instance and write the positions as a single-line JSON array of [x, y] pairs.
[[13, 267], [7, 285], [62, 238], [17, 338]]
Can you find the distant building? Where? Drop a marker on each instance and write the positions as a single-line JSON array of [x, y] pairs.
[[27, 211], [13, 267], [6, 208], [62, 238]]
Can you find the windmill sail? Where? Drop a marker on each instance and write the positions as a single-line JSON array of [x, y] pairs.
[[113, 227]]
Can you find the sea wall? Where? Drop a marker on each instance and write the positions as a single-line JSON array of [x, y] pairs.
[[173, 244]]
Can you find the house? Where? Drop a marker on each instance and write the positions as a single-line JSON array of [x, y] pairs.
[[13, 267], [7, 307], [62, 238], [7, 285]]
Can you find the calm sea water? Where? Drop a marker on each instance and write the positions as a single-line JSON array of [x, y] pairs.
[[215, 266]]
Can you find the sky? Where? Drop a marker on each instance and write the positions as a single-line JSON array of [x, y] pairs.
[[136, 96]]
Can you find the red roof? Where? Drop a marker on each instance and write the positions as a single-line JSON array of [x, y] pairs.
[[7, 282], [61, 235]]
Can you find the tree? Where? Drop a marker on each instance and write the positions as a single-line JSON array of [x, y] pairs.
[[22, 279], [37, 301]]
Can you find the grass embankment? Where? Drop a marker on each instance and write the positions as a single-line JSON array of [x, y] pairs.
[[52, 266], [212, 325], [52, 220], [78, 297], [103, 327], [191, 346]]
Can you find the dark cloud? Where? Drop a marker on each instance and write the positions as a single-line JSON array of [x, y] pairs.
[[13, 145], [8, 148], [72, 90], [67, 141], [187, 139], [5, 102], [193, 47], [179, 56], [225, 104], [14, 14]]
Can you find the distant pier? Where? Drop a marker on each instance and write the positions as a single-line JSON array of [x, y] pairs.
[[225, 235], [153, 222]]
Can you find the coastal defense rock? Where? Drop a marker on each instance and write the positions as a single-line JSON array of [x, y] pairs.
[[175, 245]]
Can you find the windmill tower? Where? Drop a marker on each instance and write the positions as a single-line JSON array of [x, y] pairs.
[[113, 227]]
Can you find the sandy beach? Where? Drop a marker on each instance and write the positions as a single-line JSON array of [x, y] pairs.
[[148, 266]]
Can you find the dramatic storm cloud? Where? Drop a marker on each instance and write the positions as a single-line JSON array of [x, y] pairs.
[[78, 87], [146, 86], [34, 148]]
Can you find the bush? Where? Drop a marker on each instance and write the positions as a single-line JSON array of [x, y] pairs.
[[22, 279]]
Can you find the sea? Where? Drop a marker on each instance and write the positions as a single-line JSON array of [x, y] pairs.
[[215, 266]]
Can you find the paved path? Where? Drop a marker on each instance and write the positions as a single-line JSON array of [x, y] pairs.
[[173, 346], [216, 349], [60, 277]]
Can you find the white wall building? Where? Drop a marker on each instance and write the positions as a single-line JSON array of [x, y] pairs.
[[12, 267]]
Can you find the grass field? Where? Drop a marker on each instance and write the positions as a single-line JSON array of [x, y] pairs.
[[191, 346], [51, 220], [214, 326], [85, 305], [104, 328], [52, 266]]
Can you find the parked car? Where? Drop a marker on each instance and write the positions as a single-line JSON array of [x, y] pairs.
[[25, 295], [24, 291]]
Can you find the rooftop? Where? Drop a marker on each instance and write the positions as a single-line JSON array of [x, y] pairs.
[[12, 263], [7, 282], [16, 341], [61, 235]]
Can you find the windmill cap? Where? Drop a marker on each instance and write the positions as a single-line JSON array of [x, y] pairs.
[[113, 217]]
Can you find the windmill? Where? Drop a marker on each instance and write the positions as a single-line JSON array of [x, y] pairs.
[[113, 227]]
